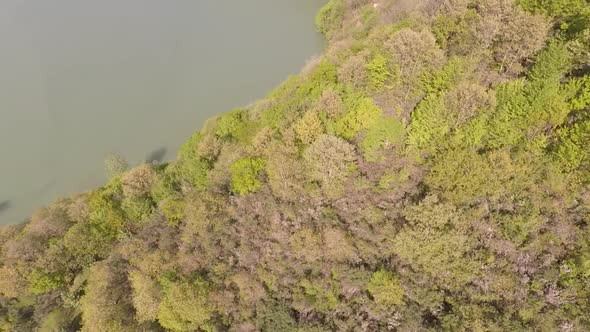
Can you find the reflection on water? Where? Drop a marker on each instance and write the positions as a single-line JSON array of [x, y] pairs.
[[84, 78]]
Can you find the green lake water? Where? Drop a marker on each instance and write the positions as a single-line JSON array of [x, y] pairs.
[[80, 79]]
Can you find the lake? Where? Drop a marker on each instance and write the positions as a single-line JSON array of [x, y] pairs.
[[80, 79]]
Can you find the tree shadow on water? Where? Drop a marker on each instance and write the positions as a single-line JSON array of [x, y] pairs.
[[4, 205], [156, 156]]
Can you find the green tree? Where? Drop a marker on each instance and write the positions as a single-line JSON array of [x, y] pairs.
[[245, 175], [435, 242], [329, 18], [386, 289], [363, 113], [115, 165], [231, 124], [146, 296], [309, 127], [384, 133], [42, 282], [379, 72], [106, 304], [329, 161], [185, 305], [138, 181]]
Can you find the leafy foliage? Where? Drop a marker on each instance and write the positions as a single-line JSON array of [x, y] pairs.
[[330, 16], [385, 289], [429, 173], [362, 113], [115, 165], [185, 306], [384, 133], [244, 175]]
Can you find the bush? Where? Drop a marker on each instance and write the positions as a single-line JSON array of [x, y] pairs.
[[275, 316], [445, 78], [330, 103], [106, 304], [526, 107]]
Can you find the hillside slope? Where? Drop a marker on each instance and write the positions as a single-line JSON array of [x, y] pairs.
[[430, 172]]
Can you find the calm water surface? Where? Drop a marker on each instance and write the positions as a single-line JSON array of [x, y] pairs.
[[80, 79]]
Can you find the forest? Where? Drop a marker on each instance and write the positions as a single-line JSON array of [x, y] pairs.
[[429, 172]]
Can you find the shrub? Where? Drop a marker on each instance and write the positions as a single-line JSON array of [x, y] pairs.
[[414, 52], [106, 304], [285, 172], [105, 216], [434, 243], [354, 71], [57, 320], [445, 78], [457, 33], [558, 8], [526, 107]]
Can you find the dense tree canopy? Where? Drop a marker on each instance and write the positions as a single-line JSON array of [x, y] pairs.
[[430, 172]]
